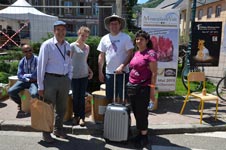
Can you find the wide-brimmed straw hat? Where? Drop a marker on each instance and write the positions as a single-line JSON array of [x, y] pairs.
[[121, 20]]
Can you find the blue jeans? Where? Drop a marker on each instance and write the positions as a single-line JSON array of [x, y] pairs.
[[119, 86], [19, 86], [78, 87]]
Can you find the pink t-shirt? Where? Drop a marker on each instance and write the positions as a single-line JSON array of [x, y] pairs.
[[139, 65]]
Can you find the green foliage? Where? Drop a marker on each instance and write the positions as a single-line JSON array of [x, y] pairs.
[[13, 67], [149, 4], [181, 90], [4, 77], [36, 47], [4, 67], [71, 39], [7, 69], [9, 64], [12, 55], [153, 3], [131, 34], [93, 42], [129, 6]]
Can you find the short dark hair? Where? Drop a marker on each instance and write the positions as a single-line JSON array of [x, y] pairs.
[[114, 19], [141, 33]]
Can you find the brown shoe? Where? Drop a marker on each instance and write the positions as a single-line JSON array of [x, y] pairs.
[[60, 134], [47, 137], [75, 121], [82, 122]]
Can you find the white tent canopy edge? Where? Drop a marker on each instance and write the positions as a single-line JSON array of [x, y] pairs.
[[40, 23]]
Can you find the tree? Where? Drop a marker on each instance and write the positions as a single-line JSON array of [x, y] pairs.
[[129, 7]]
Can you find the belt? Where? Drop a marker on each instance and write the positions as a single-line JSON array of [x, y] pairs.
[[56, 75]]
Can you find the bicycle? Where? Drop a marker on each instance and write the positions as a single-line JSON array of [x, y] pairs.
[[221, 88], [187, 68]]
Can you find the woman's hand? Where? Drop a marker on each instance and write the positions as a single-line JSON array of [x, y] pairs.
[[90, 76]]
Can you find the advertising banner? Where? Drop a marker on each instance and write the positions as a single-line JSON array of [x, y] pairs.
[[163, 27], [206, 43], [223, 44]]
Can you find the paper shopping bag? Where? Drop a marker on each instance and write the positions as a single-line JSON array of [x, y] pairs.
[[42, 115]]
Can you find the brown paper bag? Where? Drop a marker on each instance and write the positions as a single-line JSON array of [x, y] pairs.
[[42, 115]]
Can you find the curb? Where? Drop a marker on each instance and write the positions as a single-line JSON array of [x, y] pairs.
[[97, 129], [189, 128]]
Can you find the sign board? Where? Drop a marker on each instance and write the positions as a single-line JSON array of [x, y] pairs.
[[206, 43], [163, 27]]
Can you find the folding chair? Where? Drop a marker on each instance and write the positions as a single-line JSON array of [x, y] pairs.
[[199, 77]]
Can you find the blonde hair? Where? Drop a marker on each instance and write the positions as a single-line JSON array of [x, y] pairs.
[[83, 29]]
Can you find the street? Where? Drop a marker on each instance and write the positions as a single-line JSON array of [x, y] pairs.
[[13, 140]]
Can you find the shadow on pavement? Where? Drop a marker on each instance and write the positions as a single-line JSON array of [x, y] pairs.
[[2, 105], [158, 140], [74, 143], [22, 114]]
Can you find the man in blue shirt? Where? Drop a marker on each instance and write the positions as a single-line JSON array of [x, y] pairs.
[[27, 76]]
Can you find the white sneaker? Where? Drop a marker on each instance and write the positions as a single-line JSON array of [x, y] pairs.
[[150, 106]]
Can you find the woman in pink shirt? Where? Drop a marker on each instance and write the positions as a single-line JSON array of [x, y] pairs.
[[143, 71]]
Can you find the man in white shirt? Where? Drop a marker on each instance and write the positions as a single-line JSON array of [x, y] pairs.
[[54, 76], [117, 49]]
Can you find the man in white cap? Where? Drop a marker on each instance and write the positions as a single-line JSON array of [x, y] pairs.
[[54, 76], [117, 49]]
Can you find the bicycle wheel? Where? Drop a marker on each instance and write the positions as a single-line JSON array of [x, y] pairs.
[[195, 86], [221, 89]]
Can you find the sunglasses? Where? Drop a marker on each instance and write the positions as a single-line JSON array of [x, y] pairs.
[[27, 51]]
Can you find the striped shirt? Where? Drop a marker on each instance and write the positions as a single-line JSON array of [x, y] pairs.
[[27, 69]]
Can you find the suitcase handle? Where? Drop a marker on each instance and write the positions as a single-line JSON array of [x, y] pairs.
[[123, 87]]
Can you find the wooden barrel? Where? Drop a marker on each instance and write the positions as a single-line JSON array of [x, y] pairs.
[[25, 100], [88, 100], [3, 91], [99, 104], [12, 80], [69, 108]]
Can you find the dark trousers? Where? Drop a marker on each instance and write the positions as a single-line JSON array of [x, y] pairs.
[[56, 90], [109, 78], [139, 103], [78, 87]]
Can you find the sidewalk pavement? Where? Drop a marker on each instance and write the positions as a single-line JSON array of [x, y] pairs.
[[165, 120]]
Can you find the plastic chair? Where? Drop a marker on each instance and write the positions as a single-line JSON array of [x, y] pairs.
[[199, 77]]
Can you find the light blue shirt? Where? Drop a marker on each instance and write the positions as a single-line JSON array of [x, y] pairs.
[[51, 60]]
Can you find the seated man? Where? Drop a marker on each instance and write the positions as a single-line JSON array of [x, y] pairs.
[[27, 76]]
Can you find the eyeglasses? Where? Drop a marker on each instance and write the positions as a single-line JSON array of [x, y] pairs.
[[27, 51]]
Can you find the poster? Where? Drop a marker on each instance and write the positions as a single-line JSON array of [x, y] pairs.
[[223, 44], [206, 43], [163, 27]]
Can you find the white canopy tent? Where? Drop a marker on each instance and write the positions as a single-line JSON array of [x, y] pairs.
[[40, 23]]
